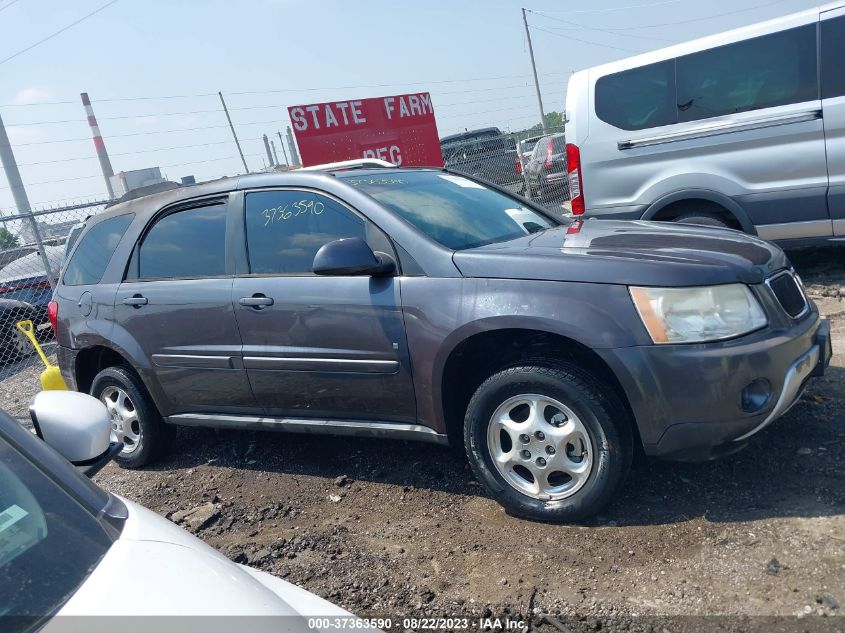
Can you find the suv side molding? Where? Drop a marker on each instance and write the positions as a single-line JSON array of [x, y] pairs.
[[360, 428]]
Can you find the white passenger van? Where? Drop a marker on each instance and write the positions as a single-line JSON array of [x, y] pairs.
[[743, 129]]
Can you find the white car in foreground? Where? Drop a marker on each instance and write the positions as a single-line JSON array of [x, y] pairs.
[[69, 548]]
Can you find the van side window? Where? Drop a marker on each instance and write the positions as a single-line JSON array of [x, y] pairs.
[[639, 98], [189, 243], [761, 72], [285, 229], [833, 54], [94, 252]]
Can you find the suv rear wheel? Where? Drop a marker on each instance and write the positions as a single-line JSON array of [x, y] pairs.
[[135, 420], [548, 442]]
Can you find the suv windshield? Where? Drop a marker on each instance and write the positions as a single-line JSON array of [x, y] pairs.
[[49, 544], [454, 211]]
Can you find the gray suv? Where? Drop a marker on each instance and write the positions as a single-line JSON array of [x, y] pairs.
[[420, 304]]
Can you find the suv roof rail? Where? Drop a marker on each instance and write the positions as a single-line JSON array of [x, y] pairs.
[[357, 163]]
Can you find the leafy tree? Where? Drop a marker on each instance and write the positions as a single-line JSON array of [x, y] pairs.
[[554, 123], [7, 239]]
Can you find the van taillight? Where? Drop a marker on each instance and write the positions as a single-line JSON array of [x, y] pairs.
[[548, 164], [517, 164], [53, 314], [576, 185]]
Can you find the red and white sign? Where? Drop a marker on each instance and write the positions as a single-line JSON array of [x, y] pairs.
[[400, 129]]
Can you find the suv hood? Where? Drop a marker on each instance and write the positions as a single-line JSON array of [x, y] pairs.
[[627, 252]]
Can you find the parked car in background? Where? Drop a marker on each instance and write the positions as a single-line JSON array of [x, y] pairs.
[[422, 304], [546, 169], [744, 129], [69, 548], [526, 146], [25, 279], [13, 343], [486, 153]]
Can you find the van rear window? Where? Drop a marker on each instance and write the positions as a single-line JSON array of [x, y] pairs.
[[639, 98]]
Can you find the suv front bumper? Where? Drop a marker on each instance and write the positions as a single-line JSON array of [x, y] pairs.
[[688, 399]]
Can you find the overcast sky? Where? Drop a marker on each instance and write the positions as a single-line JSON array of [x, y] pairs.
[[153, 68]]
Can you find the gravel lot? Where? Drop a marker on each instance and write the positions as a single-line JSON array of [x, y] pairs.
[[401, 529]]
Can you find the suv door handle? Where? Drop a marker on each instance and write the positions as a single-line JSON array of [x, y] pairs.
[[136, 301], [257, 301]]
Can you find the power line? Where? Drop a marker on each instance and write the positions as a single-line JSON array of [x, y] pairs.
[[688, 21], [258, 92], [576, 39], [219, 111], [596, 28], [6, 6], [59, 32], [610, 9]]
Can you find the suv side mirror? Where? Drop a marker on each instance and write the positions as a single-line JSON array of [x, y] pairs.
[[350, 256], [76, 425]]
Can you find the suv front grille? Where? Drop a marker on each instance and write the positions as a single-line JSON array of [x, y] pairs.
[[789, 294]]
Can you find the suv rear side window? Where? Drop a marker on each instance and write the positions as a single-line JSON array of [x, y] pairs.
[[90, 259], [833, 52], [285, 229], [187, 243], [762, 72], [639, 98]]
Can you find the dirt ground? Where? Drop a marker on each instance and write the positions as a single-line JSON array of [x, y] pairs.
[[400, 529]]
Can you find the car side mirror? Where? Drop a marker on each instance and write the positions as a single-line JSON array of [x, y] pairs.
[[351, 256], [76, 425]]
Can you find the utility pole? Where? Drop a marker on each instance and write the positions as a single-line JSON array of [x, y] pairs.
[[534, 68], [232, 127], [269, 153], [7, 157], [284, 151]]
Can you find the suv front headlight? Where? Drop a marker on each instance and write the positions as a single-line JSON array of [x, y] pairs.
[[699, 314]]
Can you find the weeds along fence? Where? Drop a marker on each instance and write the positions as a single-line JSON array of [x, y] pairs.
[[32, 248]]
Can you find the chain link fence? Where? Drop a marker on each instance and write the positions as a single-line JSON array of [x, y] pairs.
[[528, 163], [32, 248]]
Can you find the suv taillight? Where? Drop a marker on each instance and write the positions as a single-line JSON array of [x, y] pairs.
[[549, 150], [576, 186], [53, 314]]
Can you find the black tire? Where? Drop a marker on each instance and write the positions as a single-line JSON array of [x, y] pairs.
[[603, 417], [156, 436], [702, 219], [14, 345]]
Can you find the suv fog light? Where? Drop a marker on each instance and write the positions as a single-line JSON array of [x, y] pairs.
[[756, 395]]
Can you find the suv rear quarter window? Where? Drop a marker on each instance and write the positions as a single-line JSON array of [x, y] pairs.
[[89, 260]]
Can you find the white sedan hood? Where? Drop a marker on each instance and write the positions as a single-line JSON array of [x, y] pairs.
[[158, 569]]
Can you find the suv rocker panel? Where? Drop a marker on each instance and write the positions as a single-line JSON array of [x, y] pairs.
[[360, 428]]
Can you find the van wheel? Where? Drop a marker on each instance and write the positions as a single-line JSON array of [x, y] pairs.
[[135, 421], [548, 442], [704, 219]]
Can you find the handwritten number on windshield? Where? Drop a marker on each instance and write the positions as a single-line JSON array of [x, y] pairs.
[[292, 210]]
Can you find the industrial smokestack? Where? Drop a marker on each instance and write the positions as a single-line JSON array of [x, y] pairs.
[[270, 160], [99, 145], [294, 156]]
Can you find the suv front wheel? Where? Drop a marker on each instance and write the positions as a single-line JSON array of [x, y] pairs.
[[135, 421], [548, 442]]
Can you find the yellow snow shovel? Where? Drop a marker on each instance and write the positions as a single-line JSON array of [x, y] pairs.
[[51, 378]]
